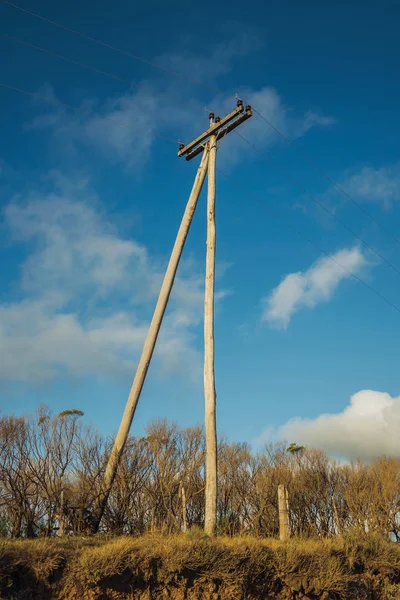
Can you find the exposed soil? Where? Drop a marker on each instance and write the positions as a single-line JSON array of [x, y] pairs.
[[194, 567]]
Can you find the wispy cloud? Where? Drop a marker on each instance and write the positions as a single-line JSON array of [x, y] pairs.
[[307, 289], [217, 59], [85, 293], [375, 185], [270, 104], [367, 185], [126, 128]]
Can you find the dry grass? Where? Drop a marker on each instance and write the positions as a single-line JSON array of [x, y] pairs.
[[194, 566]]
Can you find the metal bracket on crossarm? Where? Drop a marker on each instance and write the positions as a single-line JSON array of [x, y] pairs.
[[220, 128]]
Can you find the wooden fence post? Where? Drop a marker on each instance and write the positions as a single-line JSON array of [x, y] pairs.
[[283, 506], [184, 513]]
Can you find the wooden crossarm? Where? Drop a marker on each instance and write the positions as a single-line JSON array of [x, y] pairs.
[[215, 127]]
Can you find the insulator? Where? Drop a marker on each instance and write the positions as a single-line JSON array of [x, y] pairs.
[[217, 119], [239, 102], [211, 115]]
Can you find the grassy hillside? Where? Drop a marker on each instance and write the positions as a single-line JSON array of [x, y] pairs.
[[193, 567]]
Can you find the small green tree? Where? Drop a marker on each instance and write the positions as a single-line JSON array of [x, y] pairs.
[[294, 448]]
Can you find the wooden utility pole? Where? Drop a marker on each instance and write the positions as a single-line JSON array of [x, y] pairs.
[[206, 144], [218, 129], [150, 343], [209, 372], [283, 507]]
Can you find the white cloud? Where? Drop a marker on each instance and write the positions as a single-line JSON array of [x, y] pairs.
[[120, 128], [128, 134], [75, 247], [125, 130], [306, 289], [380, 185], [268, 103], [368, 427], [40, 340], [85, 293], [369, 185]]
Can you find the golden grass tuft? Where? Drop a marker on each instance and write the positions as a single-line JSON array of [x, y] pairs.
[[192, 566]]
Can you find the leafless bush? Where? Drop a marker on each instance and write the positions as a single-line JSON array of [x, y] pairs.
[[51, 468]]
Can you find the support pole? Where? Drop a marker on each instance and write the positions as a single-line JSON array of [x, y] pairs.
[[150, 342], [283, 506], [209, 375], [218, 128]]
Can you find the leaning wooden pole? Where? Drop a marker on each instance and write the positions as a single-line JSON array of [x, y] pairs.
[[209, 374], [150, 343]]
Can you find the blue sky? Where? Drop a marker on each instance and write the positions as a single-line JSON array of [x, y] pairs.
[[90, 207]]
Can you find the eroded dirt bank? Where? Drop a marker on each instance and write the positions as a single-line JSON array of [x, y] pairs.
[[193, 567]]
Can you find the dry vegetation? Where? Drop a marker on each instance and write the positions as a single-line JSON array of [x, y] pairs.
[[51, 469], [342, 518], [195, 567]]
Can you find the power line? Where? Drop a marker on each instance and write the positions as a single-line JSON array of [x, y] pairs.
[[214, 89], [321, 250], [276, 215], [53, 101], [96, 70], [83, 110], [115, 48], [314, 199], [325, 175], [70, 60]]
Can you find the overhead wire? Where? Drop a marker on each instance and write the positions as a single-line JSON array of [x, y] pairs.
[[313, 198], [66, 58], [279, 217], [318, 202], [99, 71], [85, 111], [325, 175], [109, 46], [271, 211], [111, 75], [215, 89]]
